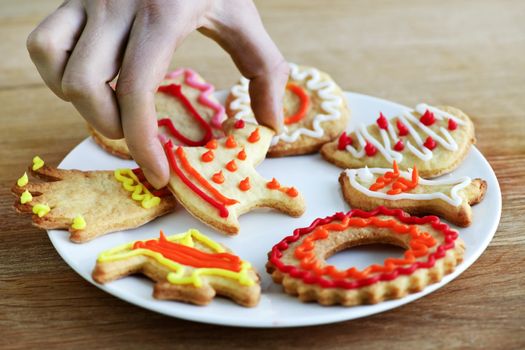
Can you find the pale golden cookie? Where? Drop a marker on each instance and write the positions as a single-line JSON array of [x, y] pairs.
[[298, 262], [190, 129], [88, 203], [188, 267], [435, 140], [449, 198], [315, 111], [218, 183]]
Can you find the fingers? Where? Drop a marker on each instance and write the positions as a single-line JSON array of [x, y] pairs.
[[242, 34], [152, 41], [50, 44]]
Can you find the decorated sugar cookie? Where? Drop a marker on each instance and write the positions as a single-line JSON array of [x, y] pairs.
[[298, 262], [89, 203], [315, 111], [218, 182], [435, 140], [188, 267], [187, 113], [449, 198]]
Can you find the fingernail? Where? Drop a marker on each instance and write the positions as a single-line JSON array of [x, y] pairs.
[[153, 178]]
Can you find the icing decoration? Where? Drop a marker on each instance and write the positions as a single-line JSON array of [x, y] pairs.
[[254, 136], [218, 177], [358, 178], [163, 192], [382, 122], [386, 179], [205, 98], [244, 185], [241, 155], [79, 223], [231, 166], [344, 140], [428, 118], [230, 142], [41, 209], [452, 125], [399, 146], [304, 104], [292, 192], [370, 149], [239, 124], [273, 185], [139, 192], [406, 124], [26, 197], [37, 163], [23, 180], [178, 254], [326, 91], [207, 156], [311, 271], [212, 144], [399, 184]]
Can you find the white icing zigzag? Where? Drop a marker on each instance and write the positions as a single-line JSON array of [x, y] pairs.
[[390, 137], [366, 176], [331, 103]]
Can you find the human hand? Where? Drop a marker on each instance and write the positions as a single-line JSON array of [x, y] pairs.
[[85, 44]]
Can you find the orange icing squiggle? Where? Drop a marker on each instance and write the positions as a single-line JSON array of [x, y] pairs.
[[386, 179]]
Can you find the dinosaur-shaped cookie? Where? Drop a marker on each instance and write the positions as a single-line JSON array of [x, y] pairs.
[[89, 203], [218, 182], [188, 267]]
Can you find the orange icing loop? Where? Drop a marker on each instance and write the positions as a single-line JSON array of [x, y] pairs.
[[254, 136], [419, 244], [386, 179], [207, 156], [241, 155], [304, 103], [244, 185], [231, 166], [230, 142], [274, 184], [212, 144], [216, 194], [218, 177]]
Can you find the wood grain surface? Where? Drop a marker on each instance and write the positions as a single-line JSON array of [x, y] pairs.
[[469, 54]]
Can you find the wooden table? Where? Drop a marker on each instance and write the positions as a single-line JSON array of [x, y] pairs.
[[469, 54]]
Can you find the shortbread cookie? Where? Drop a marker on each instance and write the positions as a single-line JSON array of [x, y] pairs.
[[298, 262], [187, 113], [315, 111], [435, 140], [218, 182], [188, 267], [449, 198], [89, 203]]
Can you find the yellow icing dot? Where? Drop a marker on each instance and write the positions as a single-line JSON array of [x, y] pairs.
[[140, 193], [37, 163], [41, 209], [79, 223], [23, 180], [26, 197]]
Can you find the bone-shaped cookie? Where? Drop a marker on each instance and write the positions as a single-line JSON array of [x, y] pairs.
[[218, 182], [435, 140], [89, 203], [449, 198], [188, 267]]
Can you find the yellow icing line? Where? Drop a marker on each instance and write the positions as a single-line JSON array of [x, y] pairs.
[[26, 197], [41, 209], [79, 223], [140, 193], [37, 163], [23, 180], [177, 276]]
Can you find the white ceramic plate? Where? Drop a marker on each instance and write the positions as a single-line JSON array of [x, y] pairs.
[[261, 229]]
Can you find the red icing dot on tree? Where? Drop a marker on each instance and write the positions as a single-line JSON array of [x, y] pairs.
[[344, 140], [401, 128], [239, 124], [452, 125], [382, 122], [370, 149], [427, 118], [399, 146], [430, 143]]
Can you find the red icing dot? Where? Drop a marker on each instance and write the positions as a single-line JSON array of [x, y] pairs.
[[427, 118], [207, 156], [402, 129], [239, 124], [430, 143], [382, 122], [344, 140], [370, 149], [452, 125], [399, 146]]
